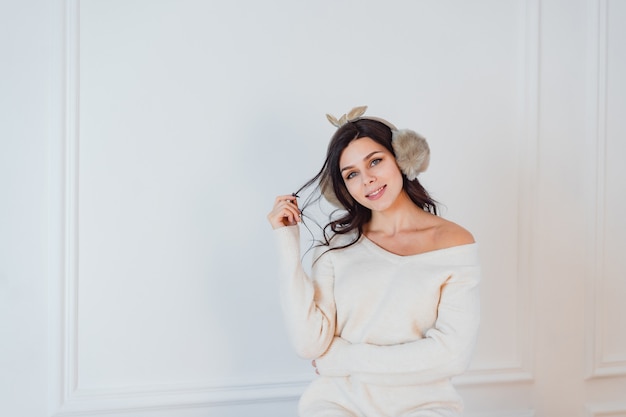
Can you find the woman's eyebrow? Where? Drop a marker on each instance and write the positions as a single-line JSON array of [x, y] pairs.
[[368, 156]]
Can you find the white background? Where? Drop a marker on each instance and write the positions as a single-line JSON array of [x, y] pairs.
[[142, 144]]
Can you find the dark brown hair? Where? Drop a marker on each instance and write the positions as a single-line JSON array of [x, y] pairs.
[[356, 215]]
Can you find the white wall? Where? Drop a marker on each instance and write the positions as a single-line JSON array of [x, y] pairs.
[[143, 143], [25, 82]]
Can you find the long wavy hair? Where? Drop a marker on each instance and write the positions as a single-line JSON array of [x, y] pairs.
[[356, 215]]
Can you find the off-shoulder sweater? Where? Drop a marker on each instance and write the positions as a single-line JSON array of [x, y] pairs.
[[387, 319]]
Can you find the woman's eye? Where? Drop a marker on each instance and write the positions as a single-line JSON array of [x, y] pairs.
[[375, 161], [351, 175]]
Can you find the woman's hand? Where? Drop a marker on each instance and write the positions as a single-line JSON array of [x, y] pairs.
[[285, 212], [335, 361]]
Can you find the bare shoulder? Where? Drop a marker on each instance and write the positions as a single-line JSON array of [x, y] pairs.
[[450, 234]]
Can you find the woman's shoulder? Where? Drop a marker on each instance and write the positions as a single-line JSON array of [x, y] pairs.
[[449, 234]]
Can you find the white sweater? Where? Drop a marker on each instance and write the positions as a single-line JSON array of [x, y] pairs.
[[383, 318]]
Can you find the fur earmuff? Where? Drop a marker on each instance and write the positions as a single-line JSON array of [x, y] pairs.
[[326, 187], [412, 152]]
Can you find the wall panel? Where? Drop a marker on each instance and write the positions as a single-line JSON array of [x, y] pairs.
[[607, 350], [175, 114]]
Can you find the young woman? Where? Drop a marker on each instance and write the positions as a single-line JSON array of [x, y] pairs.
[[390, 310]]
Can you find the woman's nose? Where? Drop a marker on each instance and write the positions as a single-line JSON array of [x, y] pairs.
[[368, 179]]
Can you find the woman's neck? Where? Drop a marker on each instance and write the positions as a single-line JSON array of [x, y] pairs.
[[402, 216]]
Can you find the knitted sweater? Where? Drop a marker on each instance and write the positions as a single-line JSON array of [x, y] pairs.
[[384, 318]]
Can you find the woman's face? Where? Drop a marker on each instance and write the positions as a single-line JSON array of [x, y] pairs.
[[371, 174]]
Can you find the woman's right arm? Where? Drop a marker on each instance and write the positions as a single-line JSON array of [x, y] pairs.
[[307, 302]]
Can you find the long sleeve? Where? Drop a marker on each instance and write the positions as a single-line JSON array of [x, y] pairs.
[[443, 352], [307, 302]]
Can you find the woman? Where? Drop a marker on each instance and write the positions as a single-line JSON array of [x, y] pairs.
[[390, 312]]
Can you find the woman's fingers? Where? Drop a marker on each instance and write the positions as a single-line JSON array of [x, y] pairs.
[[285, 212], [288, 206], [315, 366], [286, 198]]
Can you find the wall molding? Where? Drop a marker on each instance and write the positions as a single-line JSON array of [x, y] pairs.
[[527, 192], [503, 413], [179, 396], [599, 363], [516, 373], [606, 410], [62, 200], [68, 399]]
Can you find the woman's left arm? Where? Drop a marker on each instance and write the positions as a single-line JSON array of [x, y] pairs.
[[445, 350]]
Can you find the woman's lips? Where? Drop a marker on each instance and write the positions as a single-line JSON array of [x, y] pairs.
[[375, 195]]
